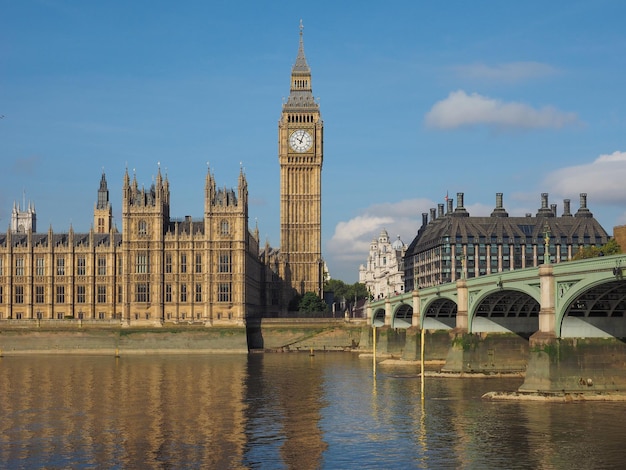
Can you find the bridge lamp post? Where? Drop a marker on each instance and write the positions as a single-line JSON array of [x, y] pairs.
[[546, 253]]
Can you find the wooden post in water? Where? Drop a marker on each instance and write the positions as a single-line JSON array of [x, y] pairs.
[[422, 359], [374, 351]]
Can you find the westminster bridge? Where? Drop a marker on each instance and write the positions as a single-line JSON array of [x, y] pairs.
[[562, 324]]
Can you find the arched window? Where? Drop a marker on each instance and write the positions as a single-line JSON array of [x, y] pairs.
[[224, 227], [142, 227]]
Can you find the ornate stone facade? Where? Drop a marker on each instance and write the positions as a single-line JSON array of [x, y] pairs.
[[383, 274], [158, 270]]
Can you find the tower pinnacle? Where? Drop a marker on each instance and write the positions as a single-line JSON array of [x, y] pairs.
[[301, 64], [300, 91]]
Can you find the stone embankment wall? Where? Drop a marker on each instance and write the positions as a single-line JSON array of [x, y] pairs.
[[306, 334], [123, 341], [272, 335]]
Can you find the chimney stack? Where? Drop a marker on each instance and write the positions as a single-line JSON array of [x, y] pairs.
[[583, 211], [545, 211], [499, 210], [460, 209], [566, 208]]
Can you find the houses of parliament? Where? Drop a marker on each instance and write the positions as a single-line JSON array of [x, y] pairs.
[[160, 269]]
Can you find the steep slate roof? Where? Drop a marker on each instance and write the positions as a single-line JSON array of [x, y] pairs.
[[60, 239], [186, 225], [582, 228]]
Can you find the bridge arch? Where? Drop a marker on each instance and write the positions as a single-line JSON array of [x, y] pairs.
[[402, 316], [378, 317], [595, 309], [439, 313], [504, 310]]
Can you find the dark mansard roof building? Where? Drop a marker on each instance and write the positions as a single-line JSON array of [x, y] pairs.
[[452, 244]]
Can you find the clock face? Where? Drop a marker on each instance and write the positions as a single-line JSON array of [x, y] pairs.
[[300, 141]]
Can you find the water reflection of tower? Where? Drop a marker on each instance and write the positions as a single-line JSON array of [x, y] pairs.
[[284, 398]]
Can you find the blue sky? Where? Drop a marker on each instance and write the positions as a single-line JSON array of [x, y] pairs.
[[419, 99]]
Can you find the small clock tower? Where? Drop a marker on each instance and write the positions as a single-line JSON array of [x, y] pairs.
[[300, 154]]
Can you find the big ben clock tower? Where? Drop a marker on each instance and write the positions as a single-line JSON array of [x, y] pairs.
[[300, 153]]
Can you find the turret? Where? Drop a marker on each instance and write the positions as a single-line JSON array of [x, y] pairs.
[[102, 213], [24, 217]]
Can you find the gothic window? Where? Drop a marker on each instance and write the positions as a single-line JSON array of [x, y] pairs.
[[225, 265], [1, 299], [198, 263], [119, 265], [183, 292], [142, 227], [1, 266], [61, 266], [100, 225], [224, 227], [80, 294], [19, 266], [80, 266], [168, 292], [224, 292], [40, 266], [142, 265], [60, 294], [102, 294], [142, 293], [168, 263], [120, 294], [198, 292], [102, 266], [19, 294], [183, 263]]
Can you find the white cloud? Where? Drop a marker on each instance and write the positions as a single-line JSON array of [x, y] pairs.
[[460, 110], [509, 72], [603, 179], [349, 246]]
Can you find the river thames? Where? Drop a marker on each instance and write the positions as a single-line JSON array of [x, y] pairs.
[[285, 411]]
